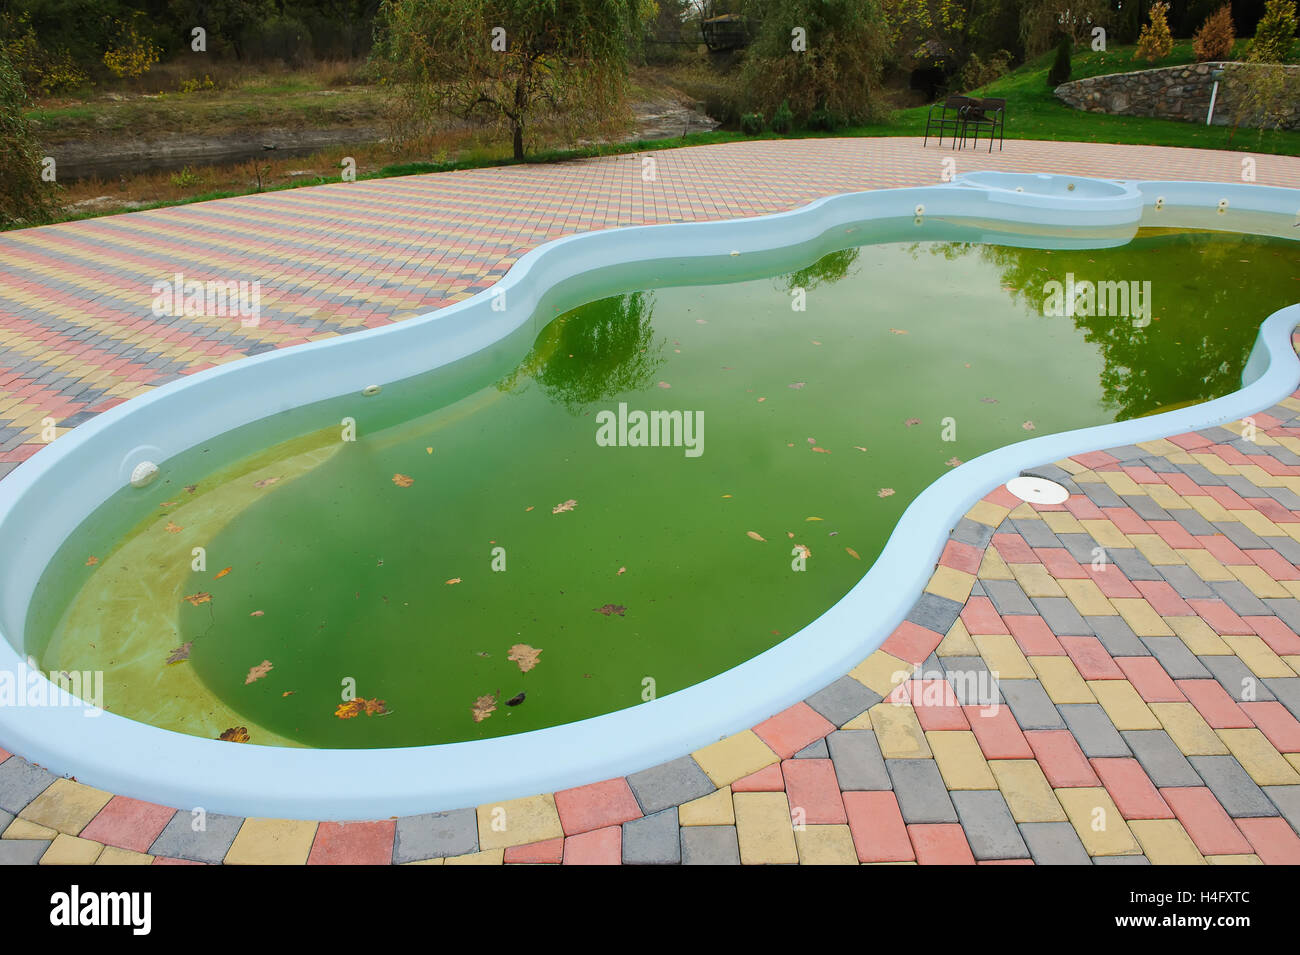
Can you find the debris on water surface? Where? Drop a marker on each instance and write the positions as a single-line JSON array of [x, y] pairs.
[[610, 609], [515, 700]]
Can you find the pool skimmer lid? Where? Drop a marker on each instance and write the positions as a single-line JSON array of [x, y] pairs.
[[1037, 490]]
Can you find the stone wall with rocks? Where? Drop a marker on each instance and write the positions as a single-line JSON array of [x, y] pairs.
[[1170, 92]]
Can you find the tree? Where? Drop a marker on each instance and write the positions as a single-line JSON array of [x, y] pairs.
[[1214, 40], [1043, 21], [1275, 35], [1060, 71], [1156, 42], [25, 199], [510, 63]]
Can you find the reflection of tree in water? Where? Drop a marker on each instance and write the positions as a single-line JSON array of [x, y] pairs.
[[1206, 308], [829, 268], [593, 353]]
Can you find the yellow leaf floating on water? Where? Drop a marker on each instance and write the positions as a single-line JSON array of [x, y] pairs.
[[524, 655], [351, 708], [858, 447], [200, 598], [885, 492], [526, 509], [174, 528], [454, 580], [566, 506], [403, 480], [256, 673], [287, 693], [236, 734], [804, 552], [428, 450], [223, 573], [756, 536], [852, 553], [812, 518], [483, 708], [92, 560], [821, 450]]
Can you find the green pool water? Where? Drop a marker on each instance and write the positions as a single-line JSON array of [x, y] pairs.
[[404, 565]]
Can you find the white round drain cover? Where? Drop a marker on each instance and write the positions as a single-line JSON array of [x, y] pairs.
[[1037, 490]]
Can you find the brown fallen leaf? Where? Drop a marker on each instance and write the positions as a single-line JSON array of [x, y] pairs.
[[609, 609], [287, 693], [524, 655], [898, 331], [885, 492], [403, 480], [174, 528], [484, 707], [167, 504], [664, 384], [454, 580], [200, 598], [265, 482], [181, 653], [223, 573], [804, 552], [858, 447], [953, 462], [821, 450], [912, 422], [529, 508], [1028, 426], [256, 673], [852, 553], [566, 506], [621, 572], [756, 535], [355, 707], [236, 734], [92, 560], [428, 450], [258, 613], [191, 488]]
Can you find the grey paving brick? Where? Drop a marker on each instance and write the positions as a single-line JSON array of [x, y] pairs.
[[436, 835], [1235, 677], [1218, 435], [1132, 563], [1030, 705], [989, 828], [1101, 494], [971, 681], [1243, 486], [1127, 453], [1286, 546], [1288, 608], [1145, 508], [1232, 786], [843, 700], [1120, 860], [858, 762], [1282, 454], [1007, 597], [1179, 662], [22, 851], [1187, 582], [1054, 843], [1061, 617], [1240, 534], [1082, 547], [1050, 472], [1161, 465], [972, 532], [1093, 730], [652, 840], [935, 613], [1117, 637], [814, 750], [1160, 758], [669, 784], [1284, 496], [1236, 595], [710, 845], [178, 840], [1036, 533], [1200, 475], [1287, 800], [20, 783], [1287, 692], [922, 795], [1193, 523]]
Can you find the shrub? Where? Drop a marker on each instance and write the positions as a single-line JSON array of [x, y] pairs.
[[1156, 42], [25, 199], [129, 54], [782, 118], [1275, 34], [824, 120], [751, 124], [977, 72], [1060, 71], [1214, 40]]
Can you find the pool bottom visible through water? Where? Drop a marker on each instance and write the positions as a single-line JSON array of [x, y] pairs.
[[484, 563]]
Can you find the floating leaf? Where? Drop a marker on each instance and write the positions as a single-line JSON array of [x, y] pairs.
[[664, 384], [621, 572], [885, 492], [174, 528], [403, 480], [516, 699], [911, 422], [287, 693], [815, 341], [804, 552], [236, 734], [898, 331], [852, 553], [609, 609], [524, 655], [858, 447], [821, 450], [989, 401], [92, 560], [761, 400], [181, 653], [454, 580], [200, 598], [265, 482], [529, 508], [812, 518], [428, 450], [167, 504], [348, 709], [191, 488], [1028, 426], [375, 707], [798, 384], [756, 535], [953, 462], [223, 573], [256, 673], [566, 506], [258, 613], [484, 707], [789, 534]]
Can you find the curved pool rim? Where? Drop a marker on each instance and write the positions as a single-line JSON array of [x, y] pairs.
[[48, 495]]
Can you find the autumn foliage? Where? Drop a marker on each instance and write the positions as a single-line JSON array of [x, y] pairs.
[[1214, 40], [1156, 42]]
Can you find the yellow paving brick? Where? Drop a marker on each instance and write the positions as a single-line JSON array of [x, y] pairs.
[[1208, 508], [730, 759], [1258, 581], [880, 672], [763, 829], [1294, 760], [898, 732], [438, 861], [1141, 617], [272, 842], [517, 822], [1088, 598], [1098, 822], [1258, 523], [1258, 758], [1062, 522], [993, 567], [1024, 512], [1258, 656], [957, 642], [1292, 587], [1028, 794], [66, 806], [1258, 476], [1154, 549], [961, 762], [1188, 729], [1035, 581], [1087, 476], [1166, 842], [1002, 655], [953, 584], [1292, 529], [1199, 636], [1106, 534], [1124, 705], [1120, 483], [486, 857], [70, 850], [1159, 447], [1167, 497], [1061, 680], [112, 855], [986, 512], [825, 845], [23, 829], [1205, 565], [711, 810], [1234, 860], [1214, 464], [1071, 466]]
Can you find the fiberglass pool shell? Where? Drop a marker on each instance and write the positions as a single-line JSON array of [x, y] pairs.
[[49, 495]]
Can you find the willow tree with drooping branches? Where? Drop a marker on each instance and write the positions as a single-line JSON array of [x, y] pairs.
[[512, 65]]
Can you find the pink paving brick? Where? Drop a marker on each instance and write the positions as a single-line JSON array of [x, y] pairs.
[[1276, 723], [1091, 659], [1175, 535], [1060, 563], [1274, 511], [980, 617], [997, 732], [911, 642], [1142, 474], [1272, 839], [598, 847], [168, 860], [1094, 459], [1082, 508], [1281, 639], [876, 825], [1005, 862], [1013, 549], [1061, 759], [1222, 618], [1229, 498], [940, 844], [130, 824], [546, 852], [353, 843], [1126, 519], [1223, 550], [766, 780], [1190, 441], [1215, 705], [1135, 795], [1002, 497], [1183, 485], [608, 803], [1033, 636], [935, 704], [1150, 679], [1209, 825], [793, 729], [1110, 580], [1164, 598], [812, 786], [4, 754], [1274, 564], [963, 557]]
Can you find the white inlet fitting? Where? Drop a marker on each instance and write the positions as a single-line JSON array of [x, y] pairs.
[[1223, 206], [142, 474], [1037, 490], [1160, 203], [920, 210], [371, 390]]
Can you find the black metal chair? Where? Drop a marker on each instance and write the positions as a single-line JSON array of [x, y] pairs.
[[948, 119], [987, 114]]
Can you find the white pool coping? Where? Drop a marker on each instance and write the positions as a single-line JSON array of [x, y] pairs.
[[46, 497]]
